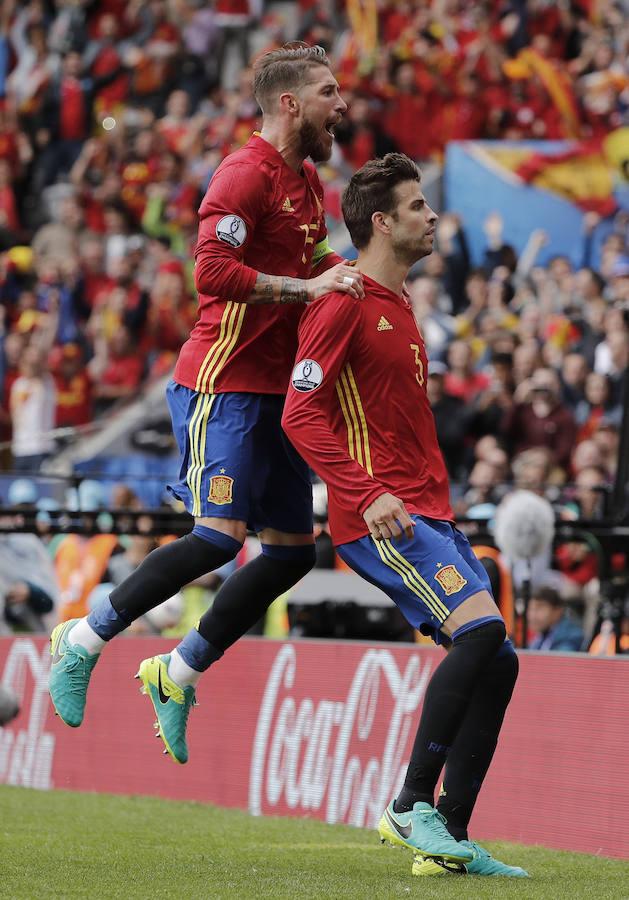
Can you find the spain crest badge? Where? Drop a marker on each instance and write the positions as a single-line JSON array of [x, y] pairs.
[[450, 580], [221, 489]]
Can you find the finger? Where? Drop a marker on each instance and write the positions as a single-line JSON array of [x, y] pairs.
[[407, 523], [385, 530]]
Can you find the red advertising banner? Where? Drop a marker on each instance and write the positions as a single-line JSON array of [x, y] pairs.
[[324, 729]]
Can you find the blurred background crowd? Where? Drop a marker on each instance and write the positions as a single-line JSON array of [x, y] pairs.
[[114, 116]]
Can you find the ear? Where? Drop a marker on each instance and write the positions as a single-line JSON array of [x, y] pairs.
[[289, 103], [381, 223]]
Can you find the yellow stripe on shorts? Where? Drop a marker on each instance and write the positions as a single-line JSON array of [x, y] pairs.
[[421, 582], [197, 428], [392, 563]]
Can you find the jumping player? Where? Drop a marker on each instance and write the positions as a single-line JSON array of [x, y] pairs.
[[262, 254], [358, 412]]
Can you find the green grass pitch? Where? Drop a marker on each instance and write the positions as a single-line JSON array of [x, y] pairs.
[[59, 844]]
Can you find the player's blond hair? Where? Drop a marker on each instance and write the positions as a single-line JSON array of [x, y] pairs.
[[285, 69], [371, 189]]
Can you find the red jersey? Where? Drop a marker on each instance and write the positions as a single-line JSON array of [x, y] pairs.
[[74, 400], [358, 412], [258, 216]]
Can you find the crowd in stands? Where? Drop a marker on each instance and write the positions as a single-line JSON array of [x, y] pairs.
[[114, 116]]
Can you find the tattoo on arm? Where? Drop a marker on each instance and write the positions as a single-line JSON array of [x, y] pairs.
[[292, 290], [277, 289], [262, 290]]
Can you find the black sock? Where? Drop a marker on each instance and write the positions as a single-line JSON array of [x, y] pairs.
[[476, 740], [445, 704], [166, 570], [247, 594]]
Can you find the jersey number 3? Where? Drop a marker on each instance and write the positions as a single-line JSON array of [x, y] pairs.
[[419, 374]]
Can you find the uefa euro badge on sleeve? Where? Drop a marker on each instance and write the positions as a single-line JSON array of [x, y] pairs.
[[232, 230], [307, 375], [450, 580], [221, 489]]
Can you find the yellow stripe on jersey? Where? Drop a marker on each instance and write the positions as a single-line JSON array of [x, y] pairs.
[[392, 563], [353, 413], [232, 337], [417, 579], [348, 421], [216, 346], [361, 416], [353, 417]]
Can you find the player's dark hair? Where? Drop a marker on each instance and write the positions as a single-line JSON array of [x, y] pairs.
[[285, 69], [372, 189]]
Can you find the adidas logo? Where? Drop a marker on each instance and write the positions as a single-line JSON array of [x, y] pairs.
[[384, 324], [287, 206]]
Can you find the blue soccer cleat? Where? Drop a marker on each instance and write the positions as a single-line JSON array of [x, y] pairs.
[[70, 672], [423, 830], [171, 702], [483, 864]]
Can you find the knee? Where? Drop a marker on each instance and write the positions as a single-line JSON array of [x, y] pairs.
[[296, 560], [507, 663], [490, 636]]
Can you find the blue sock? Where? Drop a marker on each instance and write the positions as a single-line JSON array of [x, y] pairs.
[[196, 652], [105, 621]]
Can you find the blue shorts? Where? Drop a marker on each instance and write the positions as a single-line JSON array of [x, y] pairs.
[[236, 462], [426, 576]]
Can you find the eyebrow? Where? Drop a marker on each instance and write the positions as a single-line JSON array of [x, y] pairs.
[[325, 84]]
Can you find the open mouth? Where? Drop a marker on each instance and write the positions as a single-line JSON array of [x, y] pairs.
[[330, 127]]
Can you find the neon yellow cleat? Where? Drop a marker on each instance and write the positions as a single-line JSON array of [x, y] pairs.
[[482, 864], [171, 702], [423, 830]]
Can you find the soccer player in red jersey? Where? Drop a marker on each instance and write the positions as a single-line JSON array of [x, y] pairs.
[[357, 410], [262, 254]]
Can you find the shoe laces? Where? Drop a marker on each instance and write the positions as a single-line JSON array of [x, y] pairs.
[[75, 669], [478, 851], [436, 821], [187, 706]]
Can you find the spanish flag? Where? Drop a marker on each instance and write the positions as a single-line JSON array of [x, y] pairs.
[[584, 174], [529, 62]]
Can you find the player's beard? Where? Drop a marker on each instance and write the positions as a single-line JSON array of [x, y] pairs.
[[312, 144], [410, 251]]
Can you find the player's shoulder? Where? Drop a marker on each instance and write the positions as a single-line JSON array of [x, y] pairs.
[[246, 161], [336, 307]]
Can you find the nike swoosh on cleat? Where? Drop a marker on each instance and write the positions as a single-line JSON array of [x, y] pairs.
[[57, 656], [163, 698], [403, 830]]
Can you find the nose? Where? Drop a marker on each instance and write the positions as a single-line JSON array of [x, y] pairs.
[[433, 218], [341, 105]]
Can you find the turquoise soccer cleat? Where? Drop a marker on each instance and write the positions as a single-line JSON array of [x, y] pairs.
[[482, 864], [70, 672], [423, 830], [171, 703]]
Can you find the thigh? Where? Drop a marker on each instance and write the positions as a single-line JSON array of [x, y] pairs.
[[214, 433], [282, 494], [424, 575]]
